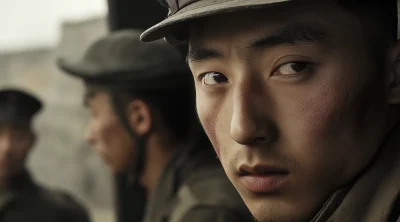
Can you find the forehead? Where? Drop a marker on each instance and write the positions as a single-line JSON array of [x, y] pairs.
[[242, 25]]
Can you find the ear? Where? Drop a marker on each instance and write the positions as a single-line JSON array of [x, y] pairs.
[[139, 116], [394, 77]]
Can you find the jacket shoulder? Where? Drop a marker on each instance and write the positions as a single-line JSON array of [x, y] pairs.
[[66, 204], [209, 192], [211, 185]]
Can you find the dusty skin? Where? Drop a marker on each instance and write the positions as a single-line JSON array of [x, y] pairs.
[[301, 100]]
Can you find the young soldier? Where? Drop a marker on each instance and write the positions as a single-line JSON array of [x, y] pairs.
[[142, 116], [21, 198], [300, 100]]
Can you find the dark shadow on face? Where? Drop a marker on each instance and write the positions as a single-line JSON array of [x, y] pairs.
[[294, 104], [106, 134], [16, 141]]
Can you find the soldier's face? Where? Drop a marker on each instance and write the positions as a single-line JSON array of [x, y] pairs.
[[292, 102], [106, 134], [15, 143]]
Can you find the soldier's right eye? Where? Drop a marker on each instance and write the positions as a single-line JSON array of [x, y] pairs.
[[213, 78]]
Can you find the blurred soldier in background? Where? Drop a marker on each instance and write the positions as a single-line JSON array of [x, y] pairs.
[[142, 121], [21, 198]]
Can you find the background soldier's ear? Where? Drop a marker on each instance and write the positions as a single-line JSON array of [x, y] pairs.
[[140, 117], [394, 77]]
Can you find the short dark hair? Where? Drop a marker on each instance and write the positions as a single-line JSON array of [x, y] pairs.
[[176, 106]]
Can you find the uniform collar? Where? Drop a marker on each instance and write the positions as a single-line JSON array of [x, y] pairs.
[[374, 193]]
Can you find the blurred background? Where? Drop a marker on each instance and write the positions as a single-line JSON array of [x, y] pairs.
[[34, 33]]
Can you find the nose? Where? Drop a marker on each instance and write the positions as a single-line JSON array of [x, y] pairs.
[[251, 122], [6, 144]]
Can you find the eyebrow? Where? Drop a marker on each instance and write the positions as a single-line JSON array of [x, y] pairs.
[[197, 54], [293, 34]]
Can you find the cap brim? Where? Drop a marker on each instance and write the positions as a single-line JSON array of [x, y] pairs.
[[77, 69], [34, 101], [108, 78], [200, 9]]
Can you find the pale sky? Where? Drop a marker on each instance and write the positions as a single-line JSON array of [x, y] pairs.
[[35, 23]]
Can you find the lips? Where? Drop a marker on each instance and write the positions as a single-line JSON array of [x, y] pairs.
[[262, 178], [260, 169]]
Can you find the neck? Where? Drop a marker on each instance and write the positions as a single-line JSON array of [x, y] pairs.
[[10, 181], [157, 157]]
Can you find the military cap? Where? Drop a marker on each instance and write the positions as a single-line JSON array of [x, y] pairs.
[[18, 105], [122, 60], [182, 11]]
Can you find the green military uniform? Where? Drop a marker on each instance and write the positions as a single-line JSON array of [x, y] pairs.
[[27, 201], [24, 199], [375, 195], [193, 186]]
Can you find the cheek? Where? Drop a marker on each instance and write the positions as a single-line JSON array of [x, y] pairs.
[[314, 112], [120, 145], [209, 110], [20, 151], [106, 135], [113, 135], [322, 125]]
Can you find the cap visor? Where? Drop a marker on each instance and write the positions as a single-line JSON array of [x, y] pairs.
[[200, 9], [76, 69]]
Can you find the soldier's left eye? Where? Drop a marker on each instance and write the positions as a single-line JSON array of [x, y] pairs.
[[292, 68], [213, 78]]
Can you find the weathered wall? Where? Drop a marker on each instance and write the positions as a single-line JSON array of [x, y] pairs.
[[61, 158]]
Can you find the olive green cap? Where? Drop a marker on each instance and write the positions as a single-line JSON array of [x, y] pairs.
[[180, 12], [121, 59]]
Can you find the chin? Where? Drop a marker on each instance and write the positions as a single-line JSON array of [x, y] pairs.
[[274, 209], [276, 217]]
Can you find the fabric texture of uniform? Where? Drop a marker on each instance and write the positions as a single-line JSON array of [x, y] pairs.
[[29, 202], [375, 196], [195, 188]]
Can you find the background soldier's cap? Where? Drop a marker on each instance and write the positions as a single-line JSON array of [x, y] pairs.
[[18, 105], [182, 11], [122, 60]]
